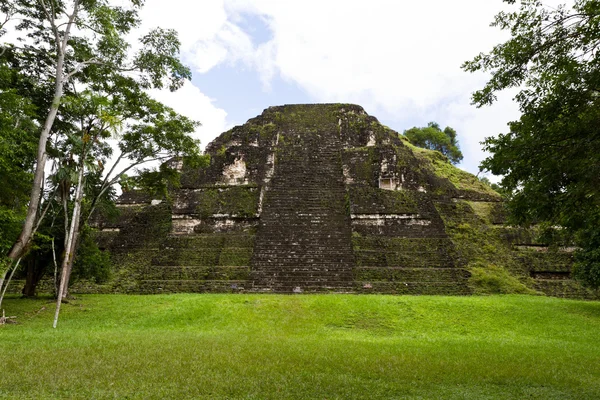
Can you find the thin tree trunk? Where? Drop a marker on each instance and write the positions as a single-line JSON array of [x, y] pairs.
[[74, 246], [5, 273], [55, 267], [69, 244], [66, 187], [8, 281], [3, 276], [36, 191]]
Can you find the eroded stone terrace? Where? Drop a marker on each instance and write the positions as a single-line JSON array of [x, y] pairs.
[[314, 198]]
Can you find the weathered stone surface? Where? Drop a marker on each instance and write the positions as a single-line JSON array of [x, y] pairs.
[[321, 198]]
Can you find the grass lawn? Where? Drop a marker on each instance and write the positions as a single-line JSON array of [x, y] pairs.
[[302, 347]]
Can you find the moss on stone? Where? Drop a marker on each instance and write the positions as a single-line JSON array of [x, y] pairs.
[[361, 164], [235, 201], [478, 244], [371, 200], [424, 275], [482, 209], [492, 279], [235, 257], [400, 244], [565, 288], [546, 260], [438, 164]]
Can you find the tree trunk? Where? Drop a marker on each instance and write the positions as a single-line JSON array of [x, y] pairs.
[[27, 231], [4, 274], [70, 243], [74, 246], [34, 274], [3, 289]]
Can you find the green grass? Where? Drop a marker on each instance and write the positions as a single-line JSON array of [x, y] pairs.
[[302, 347], [492, 279]]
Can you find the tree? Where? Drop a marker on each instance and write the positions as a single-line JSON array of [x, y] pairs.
[[433, 138], [147, 130], [78, 43], [18, 136], [550, 159], [95, 90], [17, 141]]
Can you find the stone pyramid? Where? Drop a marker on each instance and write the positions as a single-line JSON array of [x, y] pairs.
[[323, 198]]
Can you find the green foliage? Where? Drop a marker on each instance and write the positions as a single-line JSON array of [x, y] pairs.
[[587, 259], [549, 159], [103, 86], [10, 227], [74, 59], [433, 138], [17, 152], [90, 262], [155, 181]]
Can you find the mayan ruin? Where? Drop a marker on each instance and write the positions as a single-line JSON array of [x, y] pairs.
[[323, 198]]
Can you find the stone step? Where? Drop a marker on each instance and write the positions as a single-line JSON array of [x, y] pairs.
[[403, 274], [304, 290], [305, 230], [453, 288], [191, 286], [192, 272], [567, 288]]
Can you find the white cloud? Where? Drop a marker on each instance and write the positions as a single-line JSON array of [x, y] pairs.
[[407, 54], [399, 59], [192, 103], [207, 35], [475, 124], [199, 26]]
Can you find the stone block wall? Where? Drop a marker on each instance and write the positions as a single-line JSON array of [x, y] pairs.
[[322, 198]]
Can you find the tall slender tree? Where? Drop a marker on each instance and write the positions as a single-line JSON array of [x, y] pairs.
[[67, 44]]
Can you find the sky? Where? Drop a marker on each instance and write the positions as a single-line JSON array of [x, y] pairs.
[[400, 60]]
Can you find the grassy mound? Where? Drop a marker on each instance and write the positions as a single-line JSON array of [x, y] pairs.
[[302, 347], [491, 279]]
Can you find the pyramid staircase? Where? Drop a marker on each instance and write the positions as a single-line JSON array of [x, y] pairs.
[[303, 243]]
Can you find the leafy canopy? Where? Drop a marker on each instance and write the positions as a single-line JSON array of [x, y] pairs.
[[18, 139], [433, 138], [73, 84], [550, 159]]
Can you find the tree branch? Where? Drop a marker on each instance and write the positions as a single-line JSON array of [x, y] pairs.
[[70, 24], [107, 184], [7, 18], [81, 66], [52, 19]]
